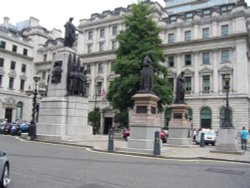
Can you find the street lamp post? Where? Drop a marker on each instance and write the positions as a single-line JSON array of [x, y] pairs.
[[95, 110], [227, 120], [29, 92]]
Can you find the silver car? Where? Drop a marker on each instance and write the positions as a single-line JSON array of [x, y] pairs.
[[4, 170]]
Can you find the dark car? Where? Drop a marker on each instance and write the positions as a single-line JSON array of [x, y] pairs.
[[6, 128], [163, 135], [15, 129]]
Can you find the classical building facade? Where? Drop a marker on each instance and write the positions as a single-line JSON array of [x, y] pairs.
[[208, 40]]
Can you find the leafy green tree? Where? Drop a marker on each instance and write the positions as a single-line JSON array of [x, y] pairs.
[[94, 119], [140, 36], [122, 118]]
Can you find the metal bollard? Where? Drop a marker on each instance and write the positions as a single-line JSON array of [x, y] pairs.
[[157, 143], [111, 140], [202, 142]]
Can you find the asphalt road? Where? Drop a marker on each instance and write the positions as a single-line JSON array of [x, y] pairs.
[[40, 165]]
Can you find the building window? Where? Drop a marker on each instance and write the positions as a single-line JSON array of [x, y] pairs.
[[11, 83], [225, 56], [187, 35], [89, 69], [102, 33], [225, 83], [1, 80], [224, 30], [205, 58], [14, 48], [114, 45], [171, 83], [206, 13], [188, 60], [89, 48], [23, 69], [205, 33], [43, 75], [12, 65], [98, 88], [170, 61], [101, 46], [19, 111], [25, 52], [189, 16], [1, 62], [206, 83], [171, 38], [225, 9], [2, 44], [22, 83], [90, 35], [114, 30], [206, 117], [100, 68], [188, 84], [172, 19], [44, 57], [87, 89]]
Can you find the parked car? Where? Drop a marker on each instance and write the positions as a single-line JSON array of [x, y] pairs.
[[209, 136], [126, 134], [6, 128], [24, 127], [15, 129], [4, 170]]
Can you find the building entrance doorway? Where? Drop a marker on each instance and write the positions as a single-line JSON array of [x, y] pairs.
[[8, 114], [107, 124]]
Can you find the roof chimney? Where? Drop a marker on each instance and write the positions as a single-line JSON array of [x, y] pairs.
[[6, 21]]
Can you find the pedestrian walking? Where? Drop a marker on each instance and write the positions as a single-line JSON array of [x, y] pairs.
[[194, 134], [244, 137]]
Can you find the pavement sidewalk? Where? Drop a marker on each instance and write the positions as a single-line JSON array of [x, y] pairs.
[[167, 151]]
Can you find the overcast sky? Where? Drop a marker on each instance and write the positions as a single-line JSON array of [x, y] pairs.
[[55, 13]]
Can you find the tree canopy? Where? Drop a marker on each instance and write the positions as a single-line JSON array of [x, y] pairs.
[[141, 35]]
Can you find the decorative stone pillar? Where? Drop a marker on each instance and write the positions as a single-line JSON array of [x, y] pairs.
[[145, 120], [179, 125]]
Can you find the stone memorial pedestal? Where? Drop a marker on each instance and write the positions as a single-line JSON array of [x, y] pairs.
[[179, 126], [63, 117], [145, 120], [227, 142]]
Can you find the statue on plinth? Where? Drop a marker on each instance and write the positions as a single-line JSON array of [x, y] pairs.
[[147, 74], [70, 33], [180, 89]]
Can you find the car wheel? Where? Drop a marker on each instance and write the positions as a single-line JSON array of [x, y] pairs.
[[5, 177]]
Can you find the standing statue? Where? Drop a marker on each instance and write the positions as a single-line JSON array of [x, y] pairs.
[[82, 79], [147, 74], [180, 89], [57, 73], [70, 33], [73, 81]]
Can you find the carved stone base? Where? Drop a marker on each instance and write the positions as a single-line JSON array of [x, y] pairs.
[[145, 120], [227, 142], [179, 126]]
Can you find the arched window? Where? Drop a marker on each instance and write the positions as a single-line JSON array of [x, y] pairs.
[[222, 115], [206, 117], [19, 111]]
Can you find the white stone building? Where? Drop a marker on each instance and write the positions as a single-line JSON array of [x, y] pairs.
[[206, 39], [18, 52]]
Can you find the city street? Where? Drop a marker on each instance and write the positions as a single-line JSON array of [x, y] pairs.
[[41, 165]]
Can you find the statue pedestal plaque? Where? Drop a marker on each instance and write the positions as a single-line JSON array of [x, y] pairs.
[[145, 120], [63, 117], [179, 126]]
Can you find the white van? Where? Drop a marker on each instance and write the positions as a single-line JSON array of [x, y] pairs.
[[209, 136]]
